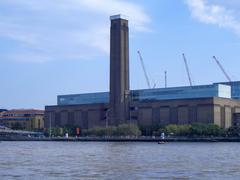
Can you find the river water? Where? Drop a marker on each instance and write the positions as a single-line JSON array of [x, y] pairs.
[[118, 160]]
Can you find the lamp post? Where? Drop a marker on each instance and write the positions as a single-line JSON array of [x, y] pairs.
[[50, 124], [107, 116]]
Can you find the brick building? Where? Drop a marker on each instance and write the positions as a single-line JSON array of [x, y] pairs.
[[216, 103]]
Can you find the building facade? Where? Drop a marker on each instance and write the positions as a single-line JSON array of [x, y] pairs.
[[220, 111], [217, 103], [25, 119]]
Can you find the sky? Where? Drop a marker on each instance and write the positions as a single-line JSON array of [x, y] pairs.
[[56, 47]]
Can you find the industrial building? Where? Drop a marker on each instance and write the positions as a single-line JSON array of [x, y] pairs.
[[217, 103]]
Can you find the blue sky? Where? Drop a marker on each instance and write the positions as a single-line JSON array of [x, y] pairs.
[[53, 47]]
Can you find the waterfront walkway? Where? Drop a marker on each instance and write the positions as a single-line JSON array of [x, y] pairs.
[[123, 139]]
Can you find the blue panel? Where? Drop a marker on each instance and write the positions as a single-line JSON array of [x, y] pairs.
[[90, 98], [178, 93], [203, 91], [235, 88]]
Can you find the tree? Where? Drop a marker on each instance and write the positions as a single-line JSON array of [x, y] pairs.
[[206, 130], [177, 130], [196, 129], [121, 130], [233, 131], [128, 130], [17, 126]]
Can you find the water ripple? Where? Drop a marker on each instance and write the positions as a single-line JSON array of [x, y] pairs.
[[93, 160]]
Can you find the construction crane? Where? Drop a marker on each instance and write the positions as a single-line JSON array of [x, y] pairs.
[[165, 73], [187, 69], [222, 69], [144, 69], [154, 85]]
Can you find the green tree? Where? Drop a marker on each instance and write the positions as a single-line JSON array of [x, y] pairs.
[[233, 131], [121, 130], [17, 126], [177, 130], [206, 129], [128, 130]]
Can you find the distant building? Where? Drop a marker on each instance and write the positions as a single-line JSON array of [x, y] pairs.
[[217, 103], [26, 119], [2, 110]]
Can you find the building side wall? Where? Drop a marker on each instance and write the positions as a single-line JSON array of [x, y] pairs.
[[218, 120], [183, 115], [82, 116], [227, 108], [205, 114], [208, 110], [164, 115]]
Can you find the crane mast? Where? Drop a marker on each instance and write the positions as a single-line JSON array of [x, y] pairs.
[[165, 73], [144, 69], [222, 69], [187, 69]]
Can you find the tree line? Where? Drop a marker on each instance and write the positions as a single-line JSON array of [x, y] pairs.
[[187, 130]]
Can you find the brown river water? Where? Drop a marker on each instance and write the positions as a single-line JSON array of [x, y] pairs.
[[118, 160]]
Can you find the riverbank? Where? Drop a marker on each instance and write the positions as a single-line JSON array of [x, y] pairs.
[[125, 139]]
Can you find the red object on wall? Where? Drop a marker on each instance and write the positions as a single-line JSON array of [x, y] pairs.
[[78, 131]]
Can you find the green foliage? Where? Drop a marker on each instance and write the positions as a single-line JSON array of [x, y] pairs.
[[128, 130], [121, 130], [206, 129], [56, 131], [98, 131], [150, 130], [233, 131], [61, 131], [197, 129], [173, 129], [70, 129], [17, 126]]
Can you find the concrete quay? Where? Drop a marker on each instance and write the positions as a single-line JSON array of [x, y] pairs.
[[124, 139]]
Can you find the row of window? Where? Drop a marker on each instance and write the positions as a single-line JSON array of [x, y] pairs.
[[17, 115], [215, 90]]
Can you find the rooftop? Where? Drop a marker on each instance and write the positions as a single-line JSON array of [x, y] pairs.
[[24, 111], [118, 16]]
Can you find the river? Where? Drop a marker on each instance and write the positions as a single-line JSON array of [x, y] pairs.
[[118, 160]]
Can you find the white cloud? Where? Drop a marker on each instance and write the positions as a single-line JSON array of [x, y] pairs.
[[63, 29], [220, 13]]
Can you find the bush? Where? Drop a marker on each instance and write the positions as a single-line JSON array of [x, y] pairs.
[[178, 130], [70, 129], [17, 126], [206, 129], [128, 130], [56, 131], [150, 130], [196, 129], [233, 131], [61, 131], [121, 130]]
